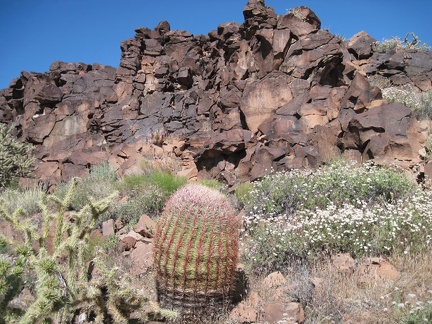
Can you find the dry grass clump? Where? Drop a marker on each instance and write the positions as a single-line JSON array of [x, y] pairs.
[[331, 296], [352, 299]]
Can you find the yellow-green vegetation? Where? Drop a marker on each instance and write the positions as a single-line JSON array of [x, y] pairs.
[[59, 266], [98, 184], [15, 159]]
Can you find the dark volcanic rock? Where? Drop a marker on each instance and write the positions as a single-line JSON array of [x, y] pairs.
[[275, 92]]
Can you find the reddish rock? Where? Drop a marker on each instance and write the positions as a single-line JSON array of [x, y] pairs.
[[260, 99], [274, 92], [145, 226], [127, 243], [361, 45], [142, 258], [108, 227], [244, 314], [344, 263], [280, 312], [300, 21], [377, 270], [274, 280]]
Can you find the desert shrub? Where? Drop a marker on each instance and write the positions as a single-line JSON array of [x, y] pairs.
[[149, 200], [15, 160], [420, 103], [100, 182], [133, 182], [213, 184], [297, 216], [338, 183], [164, 181], [411, 41], [420, 314], [28, 199], [146, 194], [397, 227]]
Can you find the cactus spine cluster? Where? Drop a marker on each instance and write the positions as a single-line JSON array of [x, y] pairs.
[[196, 250]]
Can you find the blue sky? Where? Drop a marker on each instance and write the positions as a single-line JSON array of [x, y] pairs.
[[35, 33]]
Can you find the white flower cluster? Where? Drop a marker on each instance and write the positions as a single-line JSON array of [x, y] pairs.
[[273, 234]]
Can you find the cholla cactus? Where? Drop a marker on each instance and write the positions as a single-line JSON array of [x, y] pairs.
[[14, 156], [196, 250], [62, 283]]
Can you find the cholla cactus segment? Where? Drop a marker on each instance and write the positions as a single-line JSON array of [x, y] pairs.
[[196, 249]]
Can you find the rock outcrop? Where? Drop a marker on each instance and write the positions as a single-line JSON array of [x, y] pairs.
[[276, 92]]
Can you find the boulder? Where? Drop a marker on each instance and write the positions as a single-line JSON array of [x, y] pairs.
[[108, 227], [283, 312], [360, 45], [300, 21], [142, 258], [145, 226], [261, 98]]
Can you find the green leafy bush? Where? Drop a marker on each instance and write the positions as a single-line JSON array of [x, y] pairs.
[[146, 194], [15, 160], [421, 314], [149, 200], [166, 182], [213, 184]]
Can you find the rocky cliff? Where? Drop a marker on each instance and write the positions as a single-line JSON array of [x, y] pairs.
[[276, 92]]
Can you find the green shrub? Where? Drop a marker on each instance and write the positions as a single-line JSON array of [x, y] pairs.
[[149, 200], [338, 183], [27, 199], [422, 314], [213, 184], [147, 194], [293, 217], [15, 160], [98, 184], [166, 182], [163, 180]]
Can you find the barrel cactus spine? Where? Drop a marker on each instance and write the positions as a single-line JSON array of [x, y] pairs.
[[196, 250]]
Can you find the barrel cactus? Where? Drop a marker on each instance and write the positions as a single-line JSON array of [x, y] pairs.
[[196, 250]]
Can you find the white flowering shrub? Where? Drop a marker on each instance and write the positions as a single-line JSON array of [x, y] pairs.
[[340, 208], [284, 193], [402, 226], [419, 102], [411, 41]]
